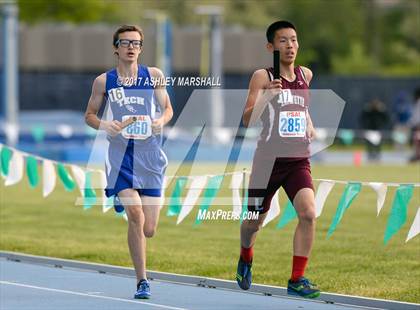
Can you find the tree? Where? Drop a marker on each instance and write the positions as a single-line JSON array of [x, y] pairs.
[[75, 11]]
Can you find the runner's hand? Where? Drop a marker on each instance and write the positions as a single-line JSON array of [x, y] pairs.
[[112, 128], [157, 126], [310, 133], [274, 87]]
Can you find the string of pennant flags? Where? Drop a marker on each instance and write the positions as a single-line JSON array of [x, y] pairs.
[[202, 191]]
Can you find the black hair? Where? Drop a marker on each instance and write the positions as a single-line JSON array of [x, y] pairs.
[[281, 24]]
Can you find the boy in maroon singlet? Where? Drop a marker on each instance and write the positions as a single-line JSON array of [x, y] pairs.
[[281, 157]]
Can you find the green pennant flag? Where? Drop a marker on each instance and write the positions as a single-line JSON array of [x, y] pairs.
[[5, 156], [288, 215], [244, 206], [65, 178], [32, 171], [350, 192], [346, 136], [175, 203], [90, 194], [213, 187], [38, 133], [184, 170], [400, 137], [398, 214]]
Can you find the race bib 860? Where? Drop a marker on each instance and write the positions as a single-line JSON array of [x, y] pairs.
[[292, 124], [141, 129]]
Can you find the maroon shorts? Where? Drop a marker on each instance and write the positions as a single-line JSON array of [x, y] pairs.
[[268, 176]]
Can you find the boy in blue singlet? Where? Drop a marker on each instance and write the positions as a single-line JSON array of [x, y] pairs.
[[135, 162]]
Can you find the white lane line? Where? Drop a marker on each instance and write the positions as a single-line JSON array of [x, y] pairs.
[[88, 295]]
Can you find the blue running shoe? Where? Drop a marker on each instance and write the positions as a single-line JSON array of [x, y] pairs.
[[244, 274], [143, 290], [303, 287], [118, 207]]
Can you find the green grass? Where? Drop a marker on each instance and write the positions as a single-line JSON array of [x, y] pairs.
[[353, 261]]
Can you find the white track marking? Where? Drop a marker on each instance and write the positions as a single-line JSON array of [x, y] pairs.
[[89, 295]]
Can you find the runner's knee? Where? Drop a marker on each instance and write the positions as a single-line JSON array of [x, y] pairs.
[[253, 225], [134, 215], [308, 213], [149, 232]]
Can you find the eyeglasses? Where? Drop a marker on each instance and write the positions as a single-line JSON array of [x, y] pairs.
[[126, 43]]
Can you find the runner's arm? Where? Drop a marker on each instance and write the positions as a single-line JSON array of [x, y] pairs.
[[310, 129], [307, 75], [260, 92], [94, 104], [162, 97]]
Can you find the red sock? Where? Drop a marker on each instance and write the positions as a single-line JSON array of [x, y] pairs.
[[299, 265], [247, 254]]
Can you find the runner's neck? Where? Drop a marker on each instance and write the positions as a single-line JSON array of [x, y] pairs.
[[127, 70], [288, 72]]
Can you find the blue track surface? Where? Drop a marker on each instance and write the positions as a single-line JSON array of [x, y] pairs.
[[32, 286]]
